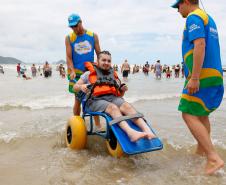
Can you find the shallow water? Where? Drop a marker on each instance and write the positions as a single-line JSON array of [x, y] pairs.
[[33, 115]]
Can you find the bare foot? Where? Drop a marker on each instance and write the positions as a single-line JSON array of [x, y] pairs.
[[150, 135], [135, 135], [148, 131], [213, 165]]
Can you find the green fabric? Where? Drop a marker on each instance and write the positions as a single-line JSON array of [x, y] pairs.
[[192, 108], [189, 62], [209, 82], [72, 82]]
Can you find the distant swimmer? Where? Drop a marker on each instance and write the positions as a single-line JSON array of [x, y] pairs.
[[22, 70], [62, 70], [168, 72], [23, 73], [177, 71], [204, 89], [18, 69], [26, 77], [146, 68], [33, 70], [158, 70], [125, 69], [1, 69], [47, 70]]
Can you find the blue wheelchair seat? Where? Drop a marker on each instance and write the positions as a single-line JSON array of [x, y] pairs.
[[140, 146]]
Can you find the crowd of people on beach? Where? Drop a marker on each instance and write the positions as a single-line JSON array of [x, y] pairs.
[[125, 69], [157, 69], [45, 71]]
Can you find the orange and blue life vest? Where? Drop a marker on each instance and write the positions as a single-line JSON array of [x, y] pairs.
[[103, 82]]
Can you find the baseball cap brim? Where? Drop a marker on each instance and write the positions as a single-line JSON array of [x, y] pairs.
[[73, 23], [176, 4]]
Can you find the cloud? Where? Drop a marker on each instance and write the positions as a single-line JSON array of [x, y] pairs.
[[34, 31]]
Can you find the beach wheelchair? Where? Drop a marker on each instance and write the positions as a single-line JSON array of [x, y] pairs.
[[117, 141]]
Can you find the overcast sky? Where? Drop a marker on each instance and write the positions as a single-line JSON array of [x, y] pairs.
[[137, 30]]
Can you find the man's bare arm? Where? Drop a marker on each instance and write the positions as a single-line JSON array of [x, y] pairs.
[[97, 44], [198, 59], [70, 65]]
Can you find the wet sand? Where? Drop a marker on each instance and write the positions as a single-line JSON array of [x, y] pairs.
[[39, 155]]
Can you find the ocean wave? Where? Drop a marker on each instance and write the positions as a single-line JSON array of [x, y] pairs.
[[11, 136], [60, 101], [66, 101], [152, 97], [171, 147], [8, 136], [5, 107], [156, 97]]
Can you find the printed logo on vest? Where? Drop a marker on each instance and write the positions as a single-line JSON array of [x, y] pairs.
[[83, 47], [213, 33], [193, 27]]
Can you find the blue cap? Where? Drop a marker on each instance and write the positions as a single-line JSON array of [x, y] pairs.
[[73, 20], [176, 4]]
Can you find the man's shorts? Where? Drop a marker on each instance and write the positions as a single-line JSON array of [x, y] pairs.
[[125, 73], [72, 82], [99, 104]]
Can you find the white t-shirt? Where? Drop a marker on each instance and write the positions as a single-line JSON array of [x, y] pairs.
[[85, 77]]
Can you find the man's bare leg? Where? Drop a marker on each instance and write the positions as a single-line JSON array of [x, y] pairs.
[[77, 108], [77, 111], [115, 112], [198, 130], [144, 127], [128, 109], [205, 121], [97, 123]]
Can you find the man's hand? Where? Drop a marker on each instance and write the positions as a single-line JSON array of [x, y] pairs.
[[72, 75], [124, 88], [192, 86], [84, 88]]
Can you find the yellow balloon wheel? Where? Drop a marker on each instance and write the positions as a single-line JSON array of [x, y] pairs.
[[113, 146], [76, 134]]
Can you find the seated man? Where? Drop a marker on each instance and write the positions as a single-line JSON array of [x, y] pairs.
[[106, 95]]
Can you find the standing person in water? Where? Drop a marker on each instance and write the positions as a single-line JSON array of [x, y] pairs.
[[203, 90], [158, 70], [33, 70], [18, 69], [80, 47], [146, 68], [125, 69]]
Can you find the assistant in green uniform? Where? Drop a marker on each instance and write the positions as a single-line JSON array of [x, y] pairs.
[[203, 90]]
